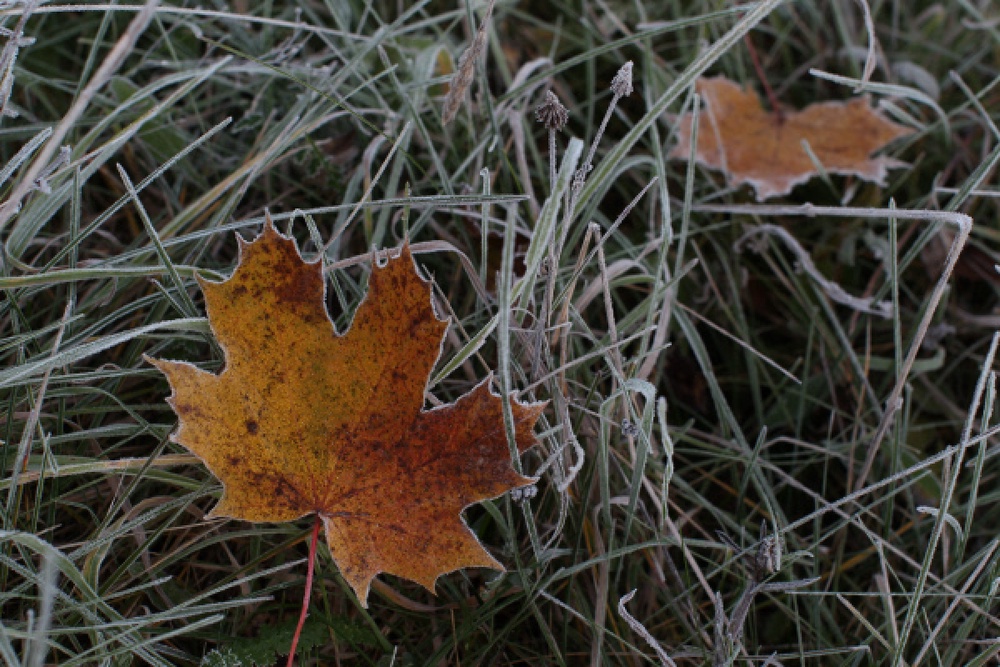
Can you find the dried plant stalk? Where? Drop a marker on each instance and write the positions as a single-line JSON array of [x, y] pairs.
[[466, 69]]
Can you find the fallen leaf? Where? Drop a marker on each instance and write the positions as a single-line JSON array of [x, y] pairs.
[[764, 149], [305, 421]]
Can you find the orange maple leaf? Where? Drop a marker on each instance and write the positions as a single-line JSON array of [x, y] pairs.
[[751, 145], [305, 421]]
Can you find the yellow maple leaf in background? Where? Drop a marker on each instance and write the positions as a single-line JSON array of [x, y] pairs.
[[762, 148]]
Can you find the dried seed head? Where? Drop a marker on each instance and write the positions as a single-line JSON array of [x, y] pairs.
[[462, 79], [768, 559], [621, 85], [552, 114], [465, 70]]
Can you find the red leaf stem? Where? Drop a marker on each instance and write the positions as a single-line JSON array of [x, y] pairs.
[[309, 585]]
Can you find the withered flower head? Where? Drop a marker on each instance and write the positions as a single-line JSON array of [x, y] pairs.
[[621, 85], [552, 114]]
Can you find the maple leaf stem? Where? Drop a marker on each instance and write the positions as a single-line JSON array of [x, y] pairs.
[[772, 99], [309, 581]]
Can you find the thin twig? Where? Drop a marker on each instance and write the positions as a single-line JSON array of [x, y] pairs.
[[641, 630], [831, 289], [772, 99]]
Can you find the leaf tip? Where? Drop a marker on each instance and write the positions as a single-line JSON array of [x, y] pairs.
[[162, 365], [269, 227]]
